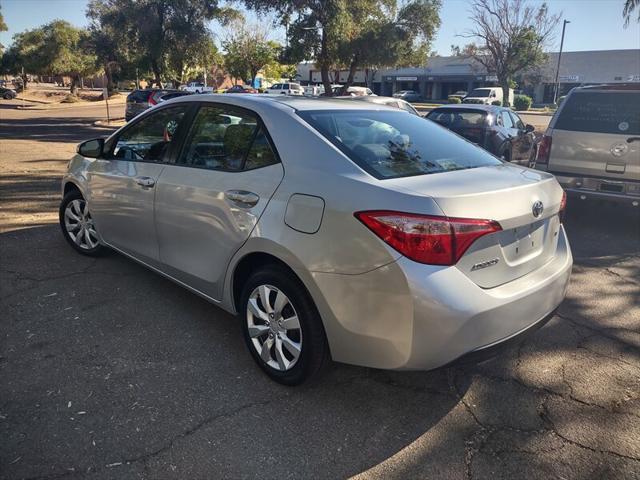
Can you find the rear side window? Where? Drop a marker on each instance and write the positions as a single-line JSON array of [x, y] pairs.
[[392, 144], [601, 112], [458, 118], [226, 138]]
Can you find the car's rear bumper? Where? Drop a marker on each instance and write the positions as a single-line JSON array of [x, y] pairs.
[[607, 189], [410, 316]]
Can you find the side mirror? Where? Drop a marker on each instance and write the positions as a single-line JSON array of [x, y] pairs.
[[529, 128], [91, 148]]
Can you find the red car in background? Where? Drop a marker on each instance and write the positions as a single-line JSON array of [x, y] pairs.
[[242, 89]]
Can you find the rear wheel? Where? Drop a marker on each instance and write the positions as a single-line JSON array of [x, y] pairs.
[[282, 327], [77, 225]]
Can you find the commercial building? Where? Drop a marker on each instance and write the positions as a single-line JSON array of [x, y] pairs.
[[443, 76]]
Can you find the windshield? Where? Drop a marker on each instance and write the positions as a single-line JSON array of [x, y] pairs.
[[480, 92], [392, 144]]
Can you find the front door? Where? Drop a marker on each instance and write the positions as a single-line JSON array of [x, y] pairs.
[[209, 202], [122, 185]]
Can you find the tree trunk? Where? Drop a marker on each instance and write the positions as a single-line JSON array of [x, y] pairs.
[[352, 73], [505, 93], [109, 75], [75, 81], [155, 68], [324, 67], [25, 80]]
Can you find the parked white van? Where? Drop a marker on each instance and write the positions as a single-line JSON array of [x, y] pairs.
[[487, 95]]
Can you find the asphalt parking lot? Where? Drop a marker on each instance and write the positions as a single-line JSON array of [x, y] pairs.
[[110, 371]]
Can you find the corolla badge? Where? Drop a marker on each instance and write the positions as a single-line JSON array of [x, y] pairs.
[[537, 209], [619, 149]]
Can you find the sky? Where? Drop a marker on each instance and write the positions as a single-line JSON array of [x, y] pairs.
[[595, 24]]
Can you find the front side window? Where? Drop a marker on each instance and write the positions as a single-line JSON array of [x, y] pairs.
[[224, 138], [517, 121], [391, 144], [506, 120], [149, 139]]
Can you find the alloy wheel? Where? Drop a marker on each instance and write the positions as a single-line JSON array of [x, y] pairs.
[[79, 225], [274, 327]]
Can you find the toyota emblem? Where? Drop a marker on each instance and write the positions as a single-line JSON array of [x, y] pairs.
[[537, 209]]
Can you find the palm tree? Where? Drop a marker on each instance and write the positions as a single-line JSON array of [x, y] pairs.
[[629, 7]]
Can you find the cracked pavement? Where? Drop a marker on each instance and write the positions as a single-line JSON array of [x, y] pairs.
[[110, 371]]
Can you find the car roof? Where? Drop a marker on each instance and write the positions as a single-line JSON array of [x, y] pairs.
[[610, 87], [470, 106], [297, 103]]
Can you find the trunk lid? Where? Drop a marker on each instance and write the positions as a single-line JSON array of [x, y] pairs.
[[507, 194]]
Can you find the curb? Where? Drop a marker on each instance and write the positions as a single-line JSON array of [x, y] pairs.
[[104, 124], [56, 106]]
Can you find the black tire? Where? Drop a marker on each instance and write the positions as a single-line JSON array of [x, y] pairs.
[[315, 356], [8, 96], [97, 251]]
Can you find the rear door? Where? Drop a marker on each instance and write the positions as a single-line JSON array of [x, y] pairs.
[[597, 133], [122, 185], [208, 204]]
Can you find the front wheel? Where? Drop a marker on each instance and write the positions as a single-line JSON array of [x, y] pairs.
[[282, 327], [77, 225]]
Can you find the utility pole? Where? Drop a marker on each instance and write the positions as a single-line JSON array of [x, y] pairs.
[[557, 84], [137, 81]]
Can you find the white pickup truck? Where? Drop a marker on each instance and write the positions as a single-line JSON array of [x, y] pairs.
[[196, 87]]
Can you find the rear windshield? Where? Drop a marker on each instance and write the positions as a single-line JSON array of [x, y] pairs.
[[454, 118], [139, 96], [601, 112], [392, 144]]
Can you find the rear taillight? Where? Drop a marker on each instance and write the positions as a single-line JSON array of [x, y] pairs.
[[427, 238], [563, 205], [544, 150]]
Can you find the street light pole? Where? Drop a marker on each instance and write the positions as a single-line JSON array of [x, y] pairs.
[[557, 84]]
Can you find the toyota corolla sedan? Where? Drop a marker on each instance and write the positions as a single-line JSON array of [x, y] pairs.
[[335, 230]]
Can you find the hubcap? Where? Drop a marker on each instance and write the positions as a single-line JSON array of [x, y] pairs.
[[79, 225], [274, 327]]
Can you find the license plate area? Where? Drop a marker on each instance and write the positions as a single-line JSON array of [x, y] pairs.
[[523, 243]]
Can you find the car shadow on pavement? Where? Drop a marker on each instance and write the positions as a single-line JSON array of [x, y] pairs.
[[109, 369]]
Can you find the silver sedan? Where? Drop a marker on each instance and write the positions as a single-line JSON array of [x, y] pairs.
[[335, 230]]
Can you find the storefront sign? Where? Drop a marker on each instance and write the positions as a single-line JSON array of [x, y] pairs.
[[569, 78], [491, 78], [406, 79], [633, 78]]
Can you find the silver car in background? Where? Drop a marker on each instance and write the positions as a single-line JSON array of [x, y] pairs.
[[335, 230], [592, 144]]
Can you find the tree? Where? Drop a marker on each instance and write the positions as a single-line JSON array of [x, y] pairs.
[[354, 33], [511, 37], [3, 25], [248, 50], [629, 7], [167, 37], [57, 48]]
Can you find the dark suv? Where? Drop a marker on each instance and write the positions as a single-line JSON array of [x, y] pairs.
[[140, 100]]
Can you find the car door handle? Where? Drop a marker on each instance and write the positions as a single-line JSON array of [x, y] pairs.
[[633, 139], [146, 182], [242, 198]]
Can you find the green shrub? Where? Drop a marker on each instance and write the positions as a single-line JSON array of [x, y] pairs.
[[497, 103], [522, 102], [454, 100]]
